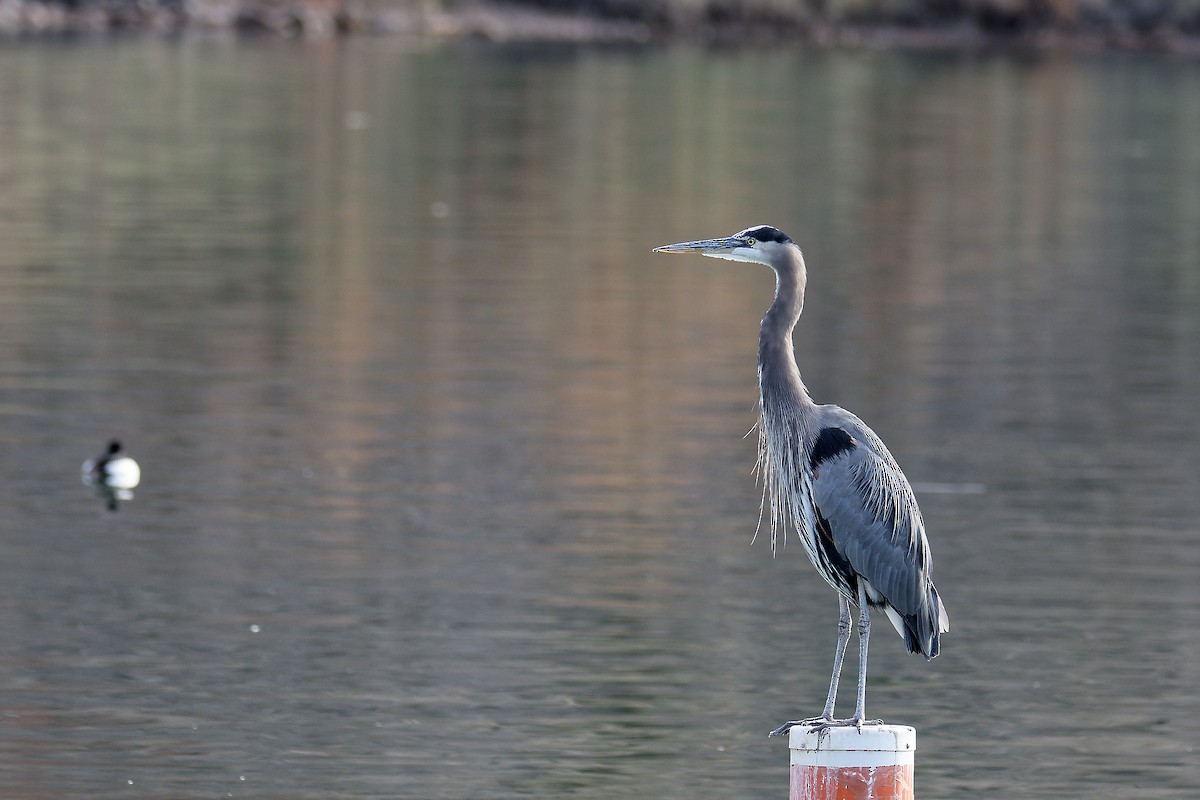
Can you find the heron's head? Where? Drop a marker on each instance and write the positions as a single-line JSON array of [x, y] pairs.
[[760, 244]]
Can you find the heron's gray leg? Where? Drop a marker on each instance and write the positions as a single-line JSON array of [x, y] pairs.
[[838, 656], [864, 636]]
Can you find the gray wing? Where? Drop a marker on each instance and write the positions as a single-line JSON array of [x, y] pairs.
[[868, 520]]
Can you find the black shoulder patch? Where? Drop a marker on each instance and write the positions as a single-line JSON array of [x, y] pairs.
[[831, 442]]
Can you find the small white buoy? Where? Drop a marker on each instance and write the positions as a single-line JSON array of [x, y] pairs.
[[112, 469], [874, 762]]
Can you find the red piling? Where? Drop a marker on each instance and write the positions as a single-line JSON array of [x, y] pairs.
[[874, 763]]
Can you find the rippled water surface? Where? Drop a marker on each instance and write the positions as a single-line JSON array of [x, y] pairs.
[[445, 491]]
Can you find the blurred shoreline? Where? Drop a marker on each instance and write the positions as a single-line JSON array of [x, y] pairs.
[[1034, 25]]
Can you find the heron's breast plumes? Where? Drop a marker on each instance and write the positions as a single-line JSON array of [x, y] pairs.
[[786, 478]]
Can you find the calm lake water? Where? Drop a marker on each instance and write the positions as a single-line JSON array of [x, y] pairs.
[[445, 490]]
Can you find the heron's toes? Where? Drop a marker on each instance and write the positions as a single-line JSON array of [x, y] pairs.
[[818, 724], [810, 721]]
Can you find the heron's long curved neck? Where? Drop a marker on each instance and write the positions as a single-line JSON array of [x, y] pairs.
[[779, 377]]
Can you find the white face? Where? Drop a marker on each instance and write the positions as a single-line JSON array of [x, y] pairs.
[[752, 255]]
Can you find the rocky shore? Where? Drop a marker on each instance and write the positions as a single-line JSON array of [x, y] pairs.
[[1170, 25]]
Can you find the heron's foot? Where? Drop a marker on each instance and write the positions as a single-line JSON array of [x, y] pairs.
[[787, 726], [819, 724]]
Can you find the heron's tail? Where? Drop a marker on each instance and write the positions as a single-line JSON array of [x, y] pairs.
[[922, 631]]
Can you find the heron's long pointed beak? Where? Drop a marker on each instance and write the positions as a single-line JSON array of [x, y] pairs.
[[707, 247]]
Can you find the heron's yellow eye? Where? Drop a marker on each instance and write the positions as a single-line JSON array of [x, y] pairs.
[[750, 241]]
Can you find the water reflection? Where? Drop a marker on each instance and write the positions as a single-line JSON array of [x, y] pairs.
[[475, 470]]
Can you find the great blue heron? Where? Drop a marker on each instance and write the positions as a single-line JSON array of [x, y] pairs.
[[828, 475]]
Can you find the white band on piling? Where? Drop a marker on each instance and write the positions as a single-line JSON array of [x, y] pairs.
[[873, 746]]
